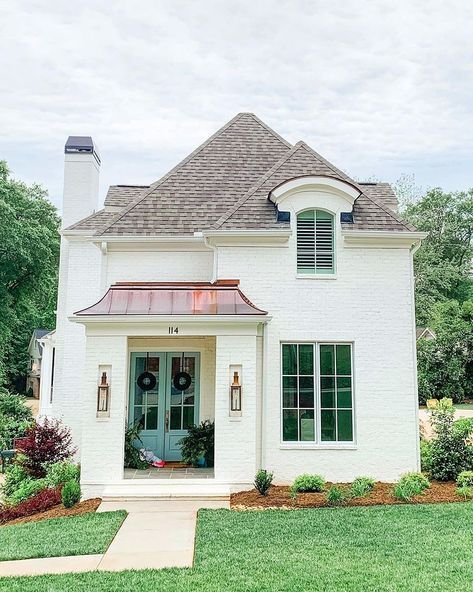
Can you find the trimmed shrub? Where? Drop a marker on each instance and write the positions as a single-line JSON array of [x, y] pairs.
[[263, 480], [61, 472], [465, 492], [465, 479], [307, 483], [45, 443], [361, 486], [70, 494], [450, 452], [132, 454], [335, 496], [42, 501], [410, 485]]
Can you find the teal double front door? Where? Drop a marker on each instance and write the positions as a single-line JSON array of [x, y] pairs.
[[164, 398]]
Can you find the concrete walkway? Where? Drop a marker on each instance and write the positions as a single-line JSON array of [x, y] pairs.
[[155, 534]]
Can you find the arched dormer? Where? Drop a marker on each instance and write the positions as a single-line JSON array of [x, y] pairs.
[[315, 204]]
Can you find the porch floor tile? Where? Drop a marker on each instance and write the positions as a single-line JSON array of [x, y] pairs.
[[170, 473]]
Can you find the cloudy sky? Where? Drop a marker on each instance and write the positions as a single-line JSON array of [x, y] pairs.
[[380, 88]]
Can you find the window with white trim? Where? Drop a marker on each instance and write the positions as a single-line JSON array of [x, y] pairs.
[[315, 243], [317, 392]]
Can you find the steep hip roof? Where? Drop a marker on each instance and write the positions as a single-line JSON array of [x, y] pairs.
[[225, 183]]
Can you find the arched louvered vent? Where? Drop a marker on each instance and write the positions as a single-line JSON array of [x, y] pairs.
[[315, 241]]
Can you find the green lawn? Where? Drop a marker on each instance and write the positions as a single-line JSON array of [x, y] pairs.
[[74, 535], [392, 548]]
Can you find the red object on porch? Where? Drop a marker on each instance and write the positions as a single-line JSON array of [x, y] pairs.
[[181, 298]]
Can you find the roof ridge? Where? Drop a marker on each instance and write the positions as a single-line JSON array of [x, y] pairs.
[[269, 129], [389, 212], [165, 177], [328, 163], [244, 198]]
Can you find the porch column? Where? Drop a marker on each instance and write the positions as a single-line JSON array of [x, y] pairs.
[[102, 452], [235, 437]]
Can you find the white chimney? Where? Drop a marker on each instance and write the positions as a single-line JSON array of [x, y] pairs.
[[81, 179]]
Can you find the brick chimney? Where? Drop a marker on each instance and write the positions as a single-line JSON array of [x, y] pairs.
[[81, 179]]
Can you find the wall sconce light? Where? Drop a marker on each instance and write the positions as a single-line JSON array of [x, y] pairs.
[[235, 394], [103, 397]]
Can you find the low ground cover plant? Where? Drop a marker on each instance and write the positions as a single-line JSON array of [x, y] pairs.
[[335, 496], [361, 487], [263, 480], [465, 478], [308, 483], [42, 501], [410, 485]]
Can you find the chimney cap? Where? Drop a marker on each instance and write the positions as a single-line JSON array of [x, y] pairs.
[[81, 145]]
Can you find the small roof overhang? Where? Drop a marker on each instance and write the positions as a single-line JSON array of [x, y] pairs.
[[184, 300]]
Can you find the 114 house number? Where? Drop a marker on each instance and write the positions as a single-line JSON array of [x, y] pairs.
[[173, 330]]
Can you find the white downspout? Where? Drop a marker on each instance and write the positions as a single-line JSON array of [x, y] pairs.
[[264, 385], [413, 250], [215, 260]]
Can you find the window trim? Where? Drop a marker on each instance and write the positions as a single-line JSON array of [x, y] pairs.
[[319, 275], [318, 444]]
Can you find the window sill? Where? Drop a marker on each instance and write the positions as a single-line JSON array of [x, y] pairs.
[[301, 276], [313, 446]]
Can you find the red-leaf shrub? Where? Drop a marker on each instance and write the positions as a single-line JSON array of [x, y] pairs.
[[46, 442], [42, 501]]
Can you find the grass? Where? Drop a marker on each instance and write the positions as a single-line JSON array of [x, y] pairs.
[[385, 548], [73, 535], [461, 406]]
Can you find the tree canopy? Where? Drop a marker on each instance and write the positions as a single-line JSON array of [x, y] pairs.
[[444, 292], [29, 253]]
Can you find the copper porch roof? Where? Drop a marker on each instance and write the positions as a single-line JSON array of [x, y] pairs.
[[180, 298]]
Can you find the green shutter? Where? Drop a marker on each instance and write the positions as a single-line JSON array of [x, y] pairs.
[[315, 242]]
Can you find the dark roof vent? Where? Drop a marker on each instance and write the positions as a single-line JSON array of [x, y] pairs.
[[284, 216], [346, 217], [81, 145]]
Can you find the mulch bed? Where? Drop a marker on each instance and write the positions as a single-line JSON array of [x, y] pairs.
[[280, 497], [60, 511]]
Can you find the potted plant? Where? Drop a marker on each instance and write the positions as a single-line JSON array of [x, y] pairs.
[[199, 443]]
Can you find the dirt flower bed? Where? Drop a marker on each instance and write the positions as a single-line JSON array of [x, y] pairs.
[[59, 511], [280, 497]]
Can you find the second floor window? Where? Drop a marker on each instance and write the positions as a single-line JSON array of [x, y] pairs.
[[315, 243]]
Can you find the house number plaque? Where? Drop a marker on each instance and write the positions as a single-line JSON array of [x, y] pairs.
[[173, 330]]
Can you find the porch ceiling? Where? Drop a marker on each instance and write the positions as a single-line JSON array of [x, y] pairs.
[[155, 298]]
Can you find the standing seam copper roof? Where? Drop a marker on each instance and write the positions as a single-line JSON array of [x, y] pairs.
[[199, 298]]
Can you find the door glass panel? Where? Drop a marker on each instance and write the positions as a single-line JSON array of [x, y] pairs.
[[188, 398], [188, 417], [151, 398], [175, 418], [176, 396], [152, 418], [139, 416]]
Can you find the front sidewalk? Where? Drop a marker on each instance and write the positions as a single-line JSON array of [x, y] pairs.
[[154, 535]]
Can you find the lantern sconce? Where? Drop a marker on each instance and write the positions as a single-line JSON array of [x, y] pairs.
[[103, 396], [235, 391]]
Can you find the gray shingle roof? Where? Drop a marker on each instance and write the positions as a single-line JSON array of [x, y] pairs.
[[225, 183], [121, 195]]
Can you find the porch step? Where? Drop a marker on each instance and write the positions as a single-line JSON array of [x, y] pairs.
[[157, 489]]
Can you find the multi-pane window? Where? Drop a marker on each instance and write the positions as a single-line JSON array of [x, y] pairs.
[[317, 392], [315, 242]]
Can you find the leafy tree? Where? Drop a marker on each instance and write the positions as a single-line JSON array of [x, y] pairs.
[[444, 292], [29, 254]]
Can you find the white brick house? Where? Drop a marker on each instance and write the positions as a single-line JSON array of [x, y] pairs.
[[250, 256]]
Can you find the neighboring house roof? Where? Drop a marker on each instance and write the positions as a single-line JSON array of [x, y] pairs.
[[182, 298], [225, 184], [37, 334], [425, 333]]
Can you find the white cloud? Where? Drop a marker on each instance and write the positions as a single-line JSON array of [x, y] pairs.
[[377, 87]]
